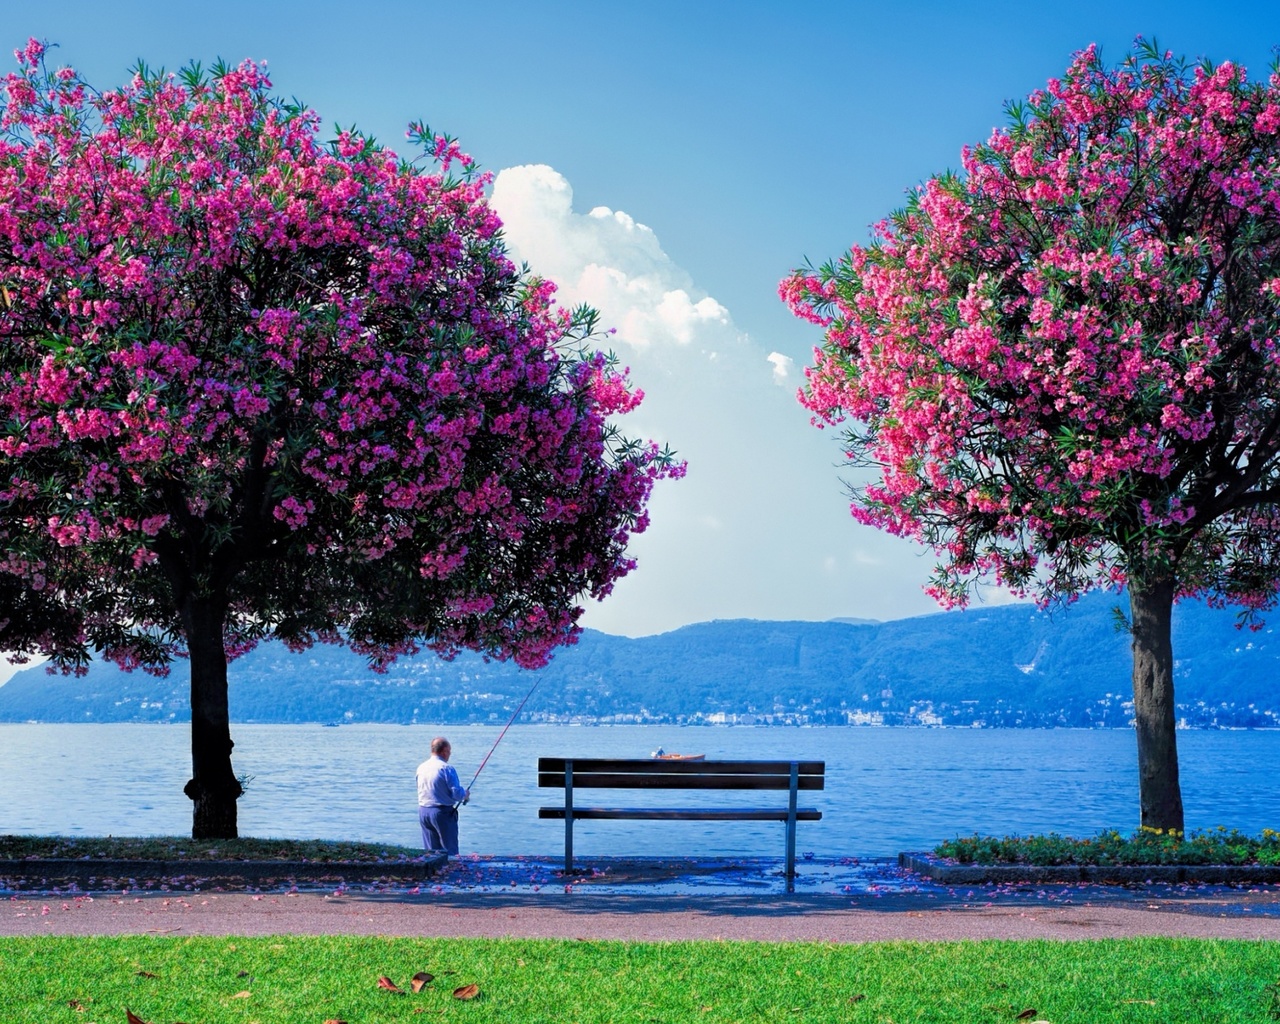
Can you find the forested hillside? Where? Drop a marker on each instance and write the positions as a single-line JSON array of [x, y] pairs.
[[1010, 665]]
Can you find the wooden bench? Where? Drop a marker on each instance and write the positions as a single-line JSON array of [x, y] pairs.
[[573, 774]]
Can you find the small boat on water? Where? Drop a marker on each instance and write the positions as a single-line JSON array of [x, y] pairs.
[[662, 755]]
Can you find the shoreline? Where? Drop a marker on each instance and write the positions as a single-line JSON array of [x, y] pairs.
[[586, 723], [647, 873], [909, 875]]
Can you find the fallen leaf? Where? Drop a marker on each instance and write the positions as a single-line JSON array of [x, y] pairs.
[[1028, 1012], [858, 998], [388, 984], [466, 992], [421, 980], [76, 1005], [242, 995], [132, 1018], [335, 1020], [145, 974]]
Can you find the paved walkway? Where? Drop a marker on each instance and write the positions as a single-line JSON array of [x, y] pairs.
[[651, 900], [659, 918]]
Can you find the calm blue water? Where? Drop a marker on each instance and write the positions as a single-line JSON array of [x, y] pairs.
[[887, 789]]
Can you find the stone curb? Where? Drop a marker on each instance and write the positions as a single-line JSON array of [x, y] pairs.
[[1119, 874], [211, 872]]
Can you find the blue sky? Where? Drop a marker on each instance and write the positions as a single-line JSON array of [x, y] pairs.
[[669, 163]]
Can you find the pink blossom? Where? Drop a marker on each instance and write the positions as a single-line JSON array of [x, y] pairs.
[[307, 371], [1040, 366]]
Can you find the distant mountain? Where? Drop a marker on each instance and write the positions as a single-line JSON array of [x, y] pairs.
[[1010, 665]]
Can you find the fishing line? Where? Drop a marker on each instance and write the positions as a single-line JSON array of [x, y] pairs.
[[504, 730]]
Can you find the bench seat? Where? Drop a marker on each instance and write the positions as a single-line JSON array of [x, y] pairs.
[[575, 774], [686, 813]]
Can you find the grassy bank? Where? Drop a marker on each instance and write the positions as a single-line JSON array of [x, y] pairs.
[[170, 848], [309, 980]]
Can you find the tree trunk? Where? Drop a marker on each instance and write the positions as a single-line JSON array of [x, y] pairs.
[[213, 787], [1160, 795]]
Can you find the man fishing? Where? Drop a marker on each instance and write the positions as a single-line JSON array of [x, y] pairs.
[[440, 790], [439, 794]]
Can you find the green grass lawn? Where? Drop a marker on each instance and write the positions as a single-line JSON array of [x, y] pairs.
[[310, 980]]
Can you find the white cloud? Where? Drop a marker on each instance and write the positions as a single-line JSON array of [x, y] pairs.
[[737, 537], [604, 258], [681, 316], [783, 367]]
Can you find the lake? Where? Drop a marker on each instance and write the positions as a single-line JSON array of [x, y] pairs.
[[888, 790]]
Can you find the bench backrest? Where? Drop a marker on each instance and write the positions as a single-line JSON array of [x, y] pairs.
[[654, 773]]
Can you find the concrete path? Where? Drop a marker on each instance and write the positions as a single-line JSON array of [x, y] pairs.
[[656, 899], [589, 915]]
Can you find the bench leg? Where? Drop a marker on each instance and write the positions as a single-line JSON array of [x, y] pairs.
[[791, 827], [568, 817]]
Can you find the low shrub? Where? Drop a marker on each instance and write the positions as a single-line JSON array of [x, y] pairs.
[[1145, 846]]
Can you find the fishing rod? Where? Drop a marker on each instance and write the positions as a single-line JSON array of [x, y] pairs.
[[504, 731]]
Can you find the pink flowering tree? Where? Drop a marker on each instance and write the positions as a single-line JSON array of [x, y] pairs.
[[31, 618], [1062, 366], [255, 384]]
